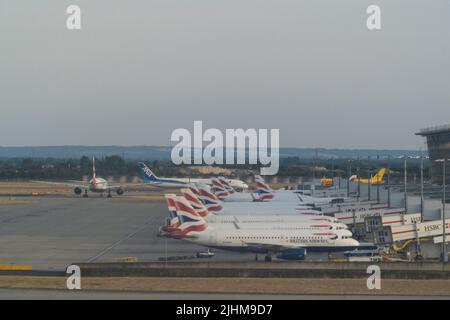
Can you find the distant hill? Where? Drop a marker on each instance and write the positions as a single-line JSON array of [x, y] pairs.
[[163, 153]]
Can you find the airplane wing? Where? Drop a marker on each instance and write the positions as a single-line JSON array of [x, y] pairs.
[[81, 184]]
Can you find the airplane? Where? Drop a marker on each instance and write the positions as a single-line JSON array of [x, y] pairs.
[[246, 221], [327, 182], [293, 195], [95, 185], [287, 244], [225, 191], [150, 178], [214, 204], [376, 179]]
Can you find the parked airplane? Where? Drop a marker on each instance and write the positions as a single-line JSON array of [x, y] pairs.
[[376, 179], [225, 191], [288, 244], [150, 178], [246, 221], [292, 195], [96, 185], [327, 182], [214, 204]]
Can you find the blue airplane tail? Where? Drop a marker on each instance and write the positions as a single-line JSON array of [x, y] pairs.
[[147, 174]]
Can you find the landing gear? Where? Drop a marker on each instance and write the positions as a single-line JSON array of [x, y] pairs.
[[268, 258], [256, 257], [85, 194], [109, 194]]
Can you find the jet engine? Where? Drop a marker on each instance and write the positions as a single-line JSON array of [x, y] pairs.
[[119, 191], [77, 190]]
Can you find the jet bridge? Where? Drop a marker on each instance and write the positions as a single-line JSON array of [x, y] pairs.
[[397, 233]]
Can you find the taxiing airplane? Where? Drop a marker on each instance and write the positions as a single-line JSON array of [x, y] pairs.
[[95, 185]]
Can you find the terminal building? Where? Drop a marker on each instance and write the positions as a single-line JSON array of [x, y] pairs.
[[438, 142]]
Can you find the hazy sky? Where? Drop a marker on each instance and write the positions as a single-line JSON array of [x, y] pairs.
[[139, 69]]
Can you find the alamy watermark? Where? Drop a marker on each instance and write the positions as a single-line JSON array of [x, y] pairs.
[[374, 280], [73, 282], [240, 146]]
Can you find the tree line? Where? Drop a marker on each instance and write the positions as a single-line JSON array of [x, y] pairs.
[[66, 169]]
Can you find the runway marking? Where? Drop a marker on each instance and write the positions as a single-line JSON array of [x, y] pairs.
[[13, 267], [115, 244]]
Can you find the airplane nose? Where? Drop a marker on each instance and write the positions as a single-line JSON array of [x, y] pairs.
[[347, 233]]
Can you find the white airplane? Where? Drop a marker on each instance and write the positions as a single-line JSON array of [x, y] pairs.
[[225, 192], [213, 204], [245, 221], [288, 244], [293, 195], [95, 185], [150, 178]]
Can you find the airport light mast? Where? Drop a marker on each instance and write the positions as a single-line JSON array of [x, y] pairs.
[[405, 173], [444, 185]]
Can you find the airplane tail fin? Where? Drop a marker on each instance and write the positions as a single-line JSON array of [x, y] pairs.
[[209, 199], [147, 174], [259, 178], [93, 168], [219, 189], [190, 221], [260, 197], [171, 204], [195, 202], [261, 186], [226, 185], [174, 221], [378, 178], [263, 191]]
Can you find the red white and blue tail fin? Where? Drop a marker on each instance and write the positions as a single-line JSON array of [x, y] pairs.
[[174, 221], [190, 221], [209, 199], [219, 189], [261, 186], [226, 185], [260, 197], [195, 202]]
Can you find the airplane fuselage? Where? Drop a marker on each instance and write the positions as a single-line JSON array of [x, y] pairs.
[[98, 185], [260, 240]]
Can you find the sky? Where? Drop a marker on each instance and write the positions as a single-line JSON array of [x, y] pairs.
[[137, 70]]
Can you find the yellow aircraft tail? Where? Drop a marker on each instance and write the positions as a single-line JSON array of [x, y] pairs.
[[378, 178]]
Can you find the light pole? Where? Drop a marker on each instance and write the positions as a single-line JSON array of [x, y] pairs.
[[349, 169], [378, 183], [422, 201], [444, 184], [369, 173], [405, 173], [389, 181], [359, 178]]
